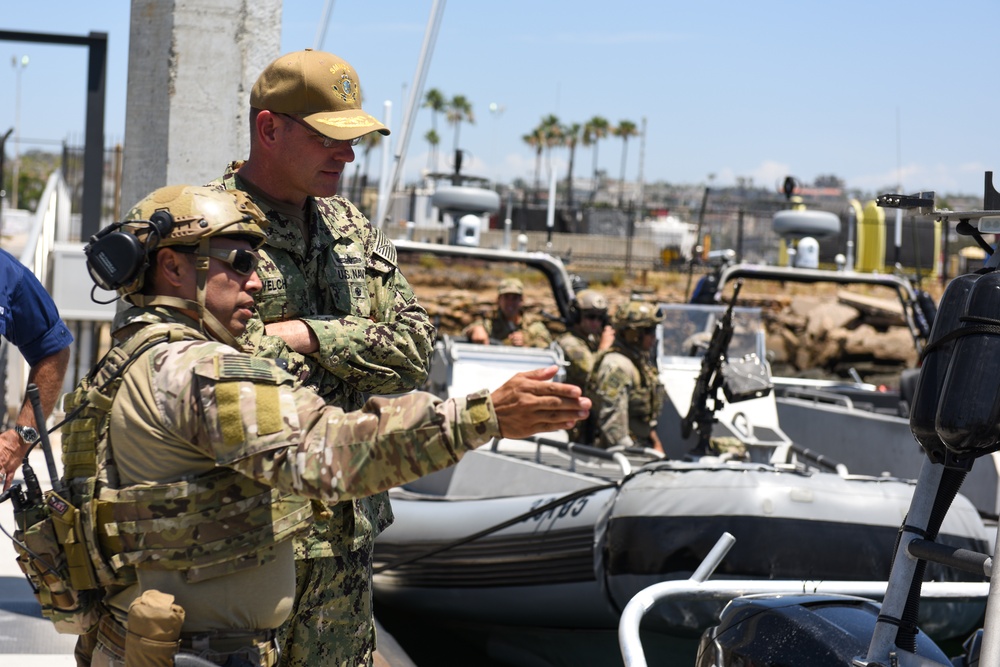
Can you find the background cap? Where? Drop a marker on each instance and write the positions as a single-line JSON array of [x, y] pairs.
[[318, 86], [510, 286]]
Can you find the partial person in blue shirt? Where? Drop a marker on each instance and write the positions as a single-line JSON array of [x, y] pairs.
[[30, 321]]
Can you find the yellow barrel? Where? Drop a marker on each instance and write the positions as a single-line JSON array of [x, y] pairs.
[[871, 239]]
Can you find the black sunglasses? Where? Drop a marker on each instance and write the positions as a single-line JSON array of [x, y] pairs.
[[243, 262]]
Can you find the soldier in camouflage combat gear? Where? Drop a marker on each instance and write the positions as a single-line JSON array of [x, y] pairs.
[[588, 331], [625, 385], [509, 325], [337, 310], [196, 431]]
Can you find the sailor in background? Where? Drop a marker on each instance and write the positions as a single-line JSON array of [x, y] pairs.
[[509, 325], [624, 385], [588, 332]]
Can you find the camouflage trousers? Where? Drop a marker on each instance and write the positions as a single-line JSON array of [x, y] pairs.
[[332, 622]]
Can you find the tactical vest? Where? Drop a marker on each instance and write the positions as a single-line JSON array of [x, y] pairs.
[[644, 402], [209, 525]]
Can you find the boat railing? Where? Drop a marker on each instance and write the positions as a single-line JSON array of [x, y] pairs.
[[697, 587], [574, 449], [818, 396]]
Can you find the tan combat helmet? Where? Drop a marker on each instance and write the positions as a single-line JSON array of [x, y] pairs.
[[589, 301], [636, 315], [175, 216], [632, 318]]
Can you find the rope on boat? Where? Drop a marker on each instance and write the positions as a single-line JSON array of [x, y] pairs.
[[500, 526]]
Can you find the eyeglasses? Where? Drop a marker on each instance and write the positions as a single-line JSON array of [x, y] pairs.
[[326, 141], [593, 316], [243, 262]]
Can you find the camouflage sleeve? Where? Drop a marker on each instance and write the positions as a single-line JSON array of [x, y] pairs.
[[537, 334], [485, 324], [388, 352], [259, 344], [259, 422], [579, 359], [379, 357], [613, 383]]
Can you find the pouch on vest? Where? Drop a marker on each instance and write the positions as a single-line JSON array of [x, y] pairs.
[[60, 578], [154, 630]]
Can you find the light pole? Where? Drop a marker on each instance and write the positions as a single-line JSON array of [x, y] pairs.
[[19, 64], [496, 110]]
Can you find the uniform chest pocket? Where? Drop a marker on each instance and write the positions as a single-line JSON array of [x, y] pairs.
[[283, 293], [347, 285]]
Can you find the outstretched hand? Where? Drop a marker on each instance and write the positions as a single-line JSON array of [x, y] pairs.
[[528, 404]]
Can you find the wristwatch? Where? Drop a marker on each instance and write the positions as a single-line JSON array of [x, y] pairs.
[[28, 434]]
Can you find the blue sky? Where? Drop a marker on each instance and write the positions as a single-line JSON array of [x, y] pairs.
[[876, 92]]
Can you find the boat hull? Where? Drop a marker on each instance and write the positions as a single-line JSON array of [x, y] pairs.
[[578, 565]]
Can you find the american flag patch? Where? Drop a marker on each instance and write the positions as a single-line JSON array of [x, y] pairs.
[[384, 248], [244, 367]]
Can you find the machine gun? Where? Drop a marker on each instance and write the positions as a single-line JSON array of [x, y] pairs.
[[700, 416]]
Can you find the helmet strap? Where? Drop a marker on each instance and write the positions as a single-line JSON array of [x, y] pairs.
[[209, 323]]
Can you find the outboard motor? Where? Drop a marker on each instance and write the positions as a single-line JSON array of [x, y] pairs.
[[968, 411], [814, 630], [936, 357]]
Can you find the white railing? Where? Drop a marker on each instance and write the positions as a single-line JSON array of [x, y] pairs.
[[53, 254]]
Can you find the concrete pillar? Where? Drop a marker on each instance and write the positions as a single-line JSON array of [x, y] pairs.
[[191, 65]]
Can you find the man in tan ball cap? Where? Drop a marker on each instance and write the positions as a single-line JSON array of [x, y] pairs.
[[336, 310]]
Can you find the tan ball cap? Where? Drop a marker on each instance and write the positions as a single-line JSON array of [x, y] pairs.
[[510, 286], [321, 88]]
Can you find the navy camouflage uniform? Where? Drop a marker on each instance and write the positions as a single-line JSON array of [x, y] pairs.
[[333, 270]]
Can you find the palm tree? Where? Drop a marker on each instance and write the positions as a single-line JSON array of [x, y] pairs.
[[536, 139], [435, 101], [570, 137], [433, 139], [594, 130], [459, 109], [625, 129]]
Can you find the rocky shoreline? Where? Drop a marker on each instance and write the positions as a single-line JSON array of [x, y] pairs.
[[815, 334]]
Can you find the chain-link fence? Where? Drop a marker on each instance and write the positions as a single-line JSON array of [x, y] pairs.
[[72, 168]]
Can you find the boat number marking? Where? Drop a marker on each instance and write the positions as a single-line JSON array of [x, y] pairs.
[[572, 508]]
